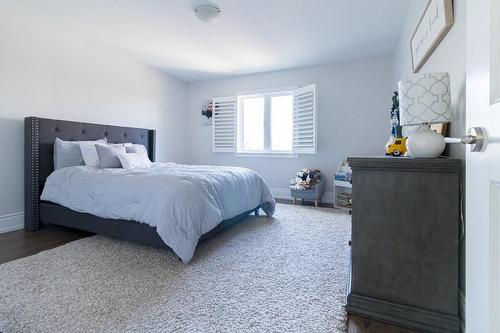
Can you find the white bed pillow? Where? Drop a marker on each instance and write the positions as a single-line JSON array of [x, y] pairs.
[[68, 153], [89, 152], [136, 148], [134, 160]]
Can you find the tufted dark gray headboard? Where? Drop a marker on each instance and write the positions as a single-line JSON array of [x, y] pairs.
[[39, 136]]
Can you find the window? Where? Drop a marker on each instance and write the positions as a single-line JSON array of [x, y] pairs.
[[265, 123], [273, 122], [252, 124]]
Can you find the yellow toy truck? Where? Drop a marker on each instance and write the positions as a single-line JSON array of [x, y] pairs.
[[396, 147]]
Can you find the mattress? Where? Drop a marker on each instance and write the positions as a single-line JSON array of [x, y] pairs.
[[181, 201]]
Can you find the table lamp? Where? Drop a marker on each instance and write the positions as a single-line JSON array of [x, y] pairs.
[[424, 100]]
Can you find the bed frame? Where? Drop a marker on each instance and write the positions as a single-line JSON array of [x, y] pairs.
[[40, 134]]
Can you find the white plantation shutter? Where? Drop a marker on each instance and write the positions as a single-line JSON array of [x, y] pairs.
[[223, 124], [304, 120]]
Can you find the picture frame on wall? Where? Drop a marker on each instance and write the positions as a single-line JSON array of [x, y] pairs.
[[433, 26]]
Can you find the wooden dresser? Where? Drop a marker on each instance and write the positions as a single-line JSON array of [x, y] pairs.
[[405, 236]]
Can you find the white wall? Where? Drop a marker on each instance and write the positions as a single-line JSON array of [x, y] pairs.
[[354, 99], [46, 73], [448, 57]]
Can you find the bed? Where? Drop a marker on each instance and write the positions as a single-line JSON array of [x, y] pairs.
[[198, 190]]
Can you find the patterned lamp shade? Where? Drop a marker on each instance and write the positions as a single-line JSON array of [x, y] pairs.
[[425, 99]]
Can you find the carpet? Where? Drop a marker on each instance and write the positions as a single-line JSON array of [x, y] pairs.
[[282, 274]]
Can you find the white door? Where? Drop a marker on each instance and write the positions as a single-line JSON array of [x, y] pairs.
[[483, 168]]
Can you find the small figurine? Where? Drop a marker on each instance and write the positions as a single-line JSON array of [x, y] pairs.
[[397, 130], [207, 110], [305, 179], [397, 143], [395, 147]]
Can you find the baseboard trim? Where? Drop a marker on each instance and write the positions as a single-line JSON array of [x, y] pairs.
[[11, 222], [402, 315], [284, 193]]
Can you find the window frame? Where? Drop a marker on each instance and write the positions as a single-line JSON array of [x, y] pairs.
[[267, 94]]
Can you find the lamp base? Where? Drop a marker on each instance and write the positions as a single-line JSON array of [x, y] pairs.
[[425, 142]]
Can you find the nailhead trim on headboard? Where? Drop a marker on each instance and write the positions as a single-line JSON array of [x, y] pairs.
[[31, 214], [34, 174]]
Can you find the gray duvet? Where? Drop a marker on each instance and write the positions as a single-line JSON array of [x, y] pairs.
[[182, 201]]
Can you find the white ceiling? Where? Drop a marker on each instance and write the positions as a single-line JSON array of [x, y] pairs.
[[251, 36]]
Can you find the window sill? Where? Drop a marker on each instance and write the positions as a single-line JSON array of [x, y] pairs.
[[267, 155]]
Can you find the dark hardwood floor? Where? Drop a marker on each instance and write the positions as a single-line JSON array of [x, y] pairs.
[[23, 243], [18, 244]]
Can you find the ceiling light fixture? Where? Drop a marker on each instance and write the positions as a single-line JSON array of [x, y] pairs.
[[207, 12]]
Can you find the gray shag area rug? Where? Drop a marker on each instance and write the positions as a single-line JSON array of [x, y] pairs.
[[281, 274]]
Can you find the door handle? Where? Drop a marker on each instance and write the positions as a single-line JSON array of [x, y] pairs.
[[476, 138]]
